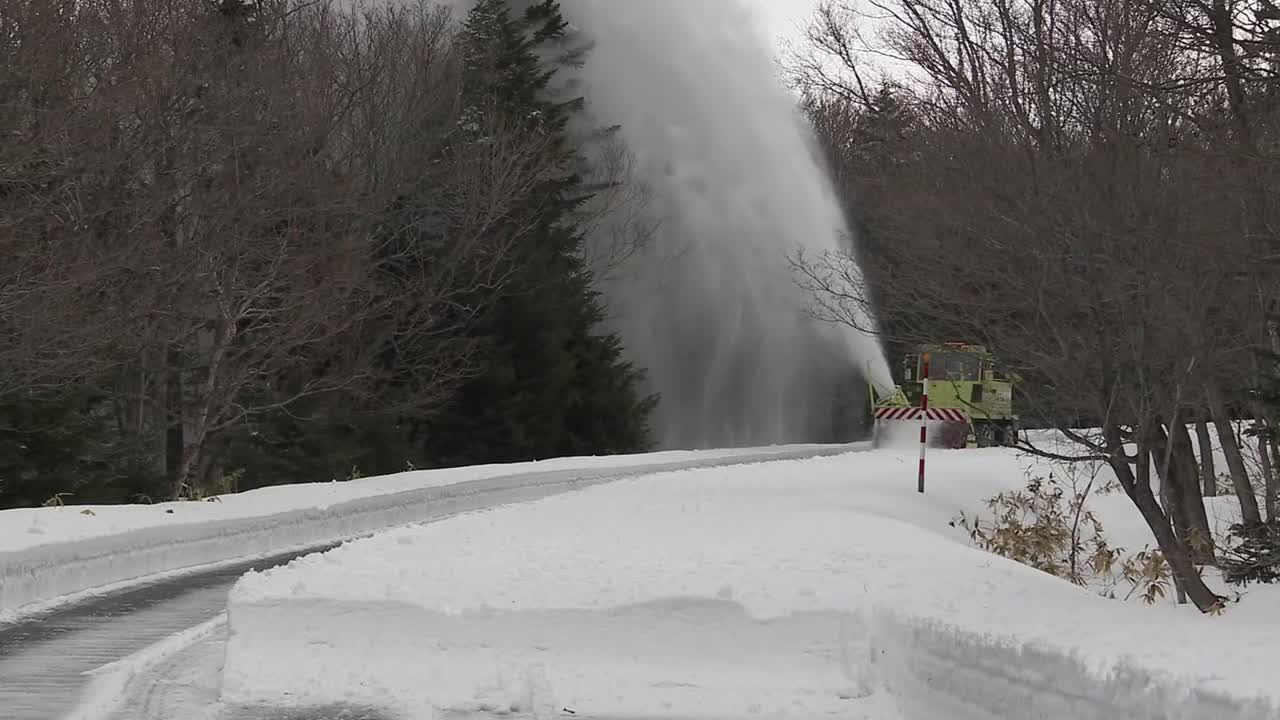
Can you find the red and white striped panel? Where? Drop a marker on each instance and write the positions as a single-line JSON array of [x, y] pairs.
[[897, 413], [913, 413]]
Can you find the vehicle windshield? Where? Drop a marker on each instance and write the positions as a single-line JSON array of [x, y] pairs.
[[955, 366]]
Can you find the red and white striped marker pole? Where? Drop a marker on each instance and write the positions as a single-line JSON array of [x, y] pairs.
[[924, 416]]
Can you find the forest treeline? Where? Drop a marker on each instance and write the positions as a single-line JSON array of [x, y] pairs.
[[252, 242], [1091, 188]]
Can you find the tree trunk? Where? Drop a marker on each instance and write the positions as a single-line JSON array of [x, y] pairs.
[[1249, 511], [1166, 501], [1208, 474], [1273, 487], [209, 469], [205, 406], [1268, 469], [174, 439], [1200, 537], [1184, 570], [1271, 495], [1180, 489]]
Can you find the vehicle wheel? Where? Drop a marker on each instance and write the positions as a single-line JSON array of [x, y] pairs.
[[1009, 435], [986, 434], [954, 435]]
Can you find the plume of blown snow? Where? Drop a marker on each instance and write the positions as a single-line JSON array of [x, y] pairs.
[[735, 186], [711, 308]]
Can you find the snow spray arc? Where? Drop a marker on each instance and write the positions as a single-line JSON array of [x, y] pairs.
[[735, 184]]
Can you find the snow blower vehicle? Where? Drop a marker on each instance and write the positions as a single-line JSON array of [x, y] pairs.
[[970, 398]]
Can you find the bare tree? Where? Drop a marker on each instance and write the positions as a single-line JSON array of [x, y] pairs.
[[1240, 42], [1039, 190], [213, 214]]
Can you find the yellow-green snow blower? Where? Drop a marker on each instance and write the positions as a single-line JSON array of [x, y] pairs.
[[970, 397]]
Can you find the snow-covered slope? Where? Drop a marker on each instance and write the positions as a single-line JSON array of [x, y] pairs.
[[789, 589], [49, 555]]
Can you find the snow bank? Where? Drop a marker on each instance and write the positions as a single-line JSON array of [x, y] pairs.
[[50, 554], [682, 657], [784, 590], [935, 670]]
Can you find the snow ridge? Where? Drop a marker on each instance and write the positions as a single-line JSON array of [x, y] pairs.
[[937, 670], [34, 579]]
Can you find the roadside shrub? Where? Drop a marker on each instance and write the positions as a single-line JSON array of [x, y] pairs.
[[1252, 554], [1048, 526]]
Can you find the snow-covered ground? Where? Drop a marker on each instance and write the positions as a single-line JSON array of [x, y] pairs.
[[788, 589], [55, 554]]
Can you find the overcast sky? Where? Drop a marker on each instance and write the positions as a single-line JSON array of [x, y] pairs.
[[783, 17], [784, 20]]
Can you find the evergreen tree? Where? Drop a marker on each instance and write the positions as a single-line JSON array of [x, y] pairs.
[[555, 382], [59, 448]]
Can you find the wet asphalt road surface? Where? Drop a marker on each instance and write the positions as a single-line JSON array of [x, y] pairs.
[[44, 658]]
